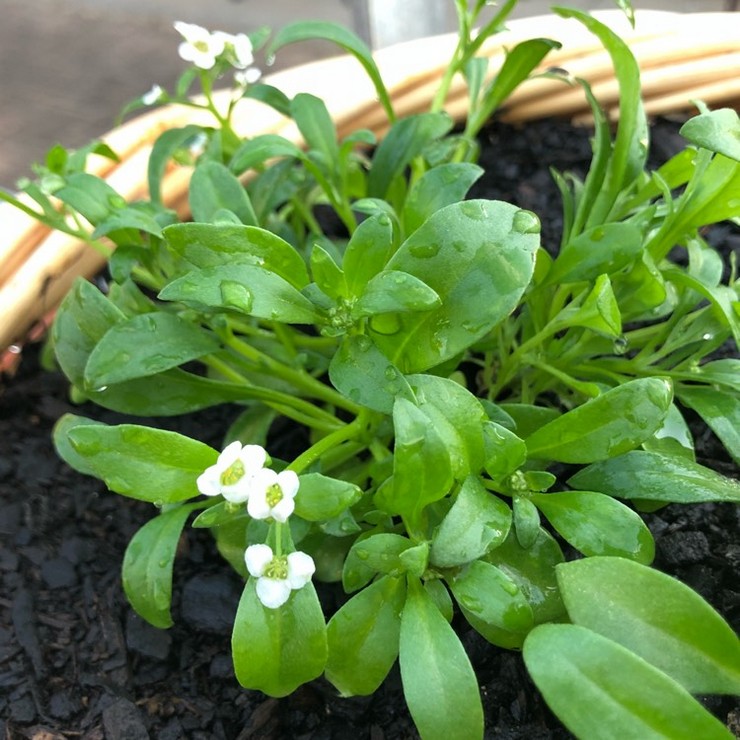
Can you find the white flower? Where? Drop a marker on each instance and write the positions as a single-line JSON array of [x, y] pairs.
[[277, 576], [239, 46], [233, 472], [201, 47], [272, 494], [153, 96], [245, 77]]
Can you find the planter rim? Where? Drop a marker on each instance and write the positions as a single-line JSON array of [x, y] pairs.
[[678, 64]]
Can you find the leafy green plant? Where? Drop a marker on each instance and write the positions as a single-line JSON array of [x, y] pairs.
[[450, 373]]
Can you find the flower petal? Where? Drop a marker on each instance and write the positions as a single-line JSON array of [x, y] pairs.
[[230, 455], [300, 569], [282, 510], [273, 592], [257, 558], [209, 482], [253, 457], [257, 506], [288, 482]]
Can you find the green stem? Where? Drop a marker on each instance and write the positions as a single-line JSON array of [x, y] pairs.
[[299, 378], [324, 445], [294, 408]]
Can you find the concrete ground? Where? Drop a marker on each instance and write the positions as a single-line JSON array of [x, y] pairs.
[[68, 66]]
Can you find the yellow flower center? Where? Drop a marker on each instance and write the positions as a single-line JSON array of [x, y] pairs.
[[233, 474], [277, 568], [274, 495]]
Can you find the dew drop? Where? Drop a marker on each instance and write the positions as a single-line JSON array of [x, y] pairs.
[[390, 372], [473, 209], [386, 323], [236, 295], [525, 222], [364, 343], [424, 251], [510, 587], [362, 554]]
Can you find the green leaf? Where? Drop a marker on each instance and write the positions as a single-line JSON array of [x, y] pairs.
[[378, 553], [651, 475], [517, 66], [260, 149], [528, 418], [609, 425], [142, 462], [311, 30], [479, 257], [320, 498], [439, 187], [630, 147], [438, 681], [316, 126], [723, 372], [675, 629], [81, 321], [505, 452], [600, 690], [368, 251], [212, 245], [395, 291], [488, 594], [277, 650], [248, 289], [476, 522], [673, 437], [269, 95], [458, 418], [717, 130], [526, 521], [164, 148], [90, 196], [145, 345], [596, 524], [361, 372], [326, 273], [601, 250], [221, 513], [214, 188], [131, 217], [147, 565], [720, 410], [64, 449], [533, 569], [363, 637], [405, 141], [422, 469]]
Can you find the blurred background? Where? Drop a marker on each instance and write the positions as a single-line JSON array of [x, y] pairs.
[[67, 67]]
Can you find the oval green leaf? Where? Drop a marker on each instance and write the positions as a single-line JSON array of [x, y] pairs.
[[597, 524], [363, 637], [147, 566], [277, 650], [478, 256], [674, 629], [438, 681], [143, 462], [601, 691], [609, 425]]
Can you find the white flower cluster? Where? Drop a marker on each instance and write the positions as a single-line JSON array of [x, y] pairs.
[[204, 48], [240, 476]]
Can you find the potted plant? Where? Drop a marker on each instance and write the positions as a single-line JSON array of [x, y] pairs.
[[474, 405]]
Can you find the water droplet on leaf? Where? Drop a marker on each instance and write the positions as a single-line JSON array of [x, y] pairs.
[[525, 222]]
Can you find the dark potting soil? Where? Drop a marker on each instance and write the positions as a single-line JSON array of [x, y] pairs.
[[76, 662]]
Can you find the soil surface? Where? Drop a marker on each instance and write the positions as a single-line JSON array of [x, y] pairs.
[[76, 662]]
